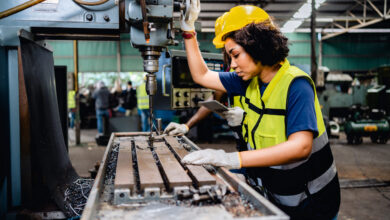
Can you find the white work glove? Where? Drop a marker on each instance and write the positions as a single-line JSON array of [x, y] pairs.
[[213, 157], [234, 116], [174, 128], [193, 12]]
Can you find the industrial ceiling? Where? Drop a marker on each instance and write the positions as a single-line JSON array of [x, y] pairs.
[[333, 16]]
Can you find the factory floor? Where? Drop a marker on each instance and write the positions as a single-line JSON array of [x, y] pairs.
[[364, 172]]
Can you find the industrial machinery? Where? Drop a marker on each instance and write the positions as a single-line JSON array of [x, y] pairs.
[[137, 181], [364, 121], [371, 120], [27, 68], [34, 160], [178, 91]]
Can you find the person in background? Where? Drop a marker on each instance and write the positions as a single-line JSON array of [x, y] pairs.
[[116, 100], [290, 147], [102, 103], [130, 99], [143, 106], [72, 107]]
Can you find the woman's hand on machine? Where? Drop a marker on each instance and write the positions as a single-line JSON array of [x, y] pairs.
[[174, 128], [214, 157], [187, 23]]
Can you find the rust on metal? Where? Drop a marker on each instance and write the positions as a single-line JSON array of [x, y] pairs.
[[175, 173], [149, 174], [200, 175], [124, 169]]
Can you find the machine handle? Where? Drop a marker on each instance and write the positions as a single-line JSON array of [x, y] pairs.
[[163, 79]]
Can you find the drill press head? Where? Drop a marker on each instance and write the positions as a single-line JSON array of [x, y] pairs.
[[150, 55]]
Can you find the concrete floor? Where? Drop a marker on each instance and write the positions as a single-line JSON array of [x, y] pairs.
[[354, 162]]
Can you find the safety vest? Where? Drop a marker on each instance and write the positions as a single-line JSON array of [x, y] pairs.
[[71, 99], [142, 97], [290, 184]]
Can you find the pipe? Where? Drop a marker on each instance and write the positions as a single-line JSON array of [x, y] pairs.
[[18, 8], [81, 2]]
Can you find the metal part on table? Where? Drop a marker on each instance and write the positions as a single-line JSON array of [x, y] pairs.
[[123, 200]]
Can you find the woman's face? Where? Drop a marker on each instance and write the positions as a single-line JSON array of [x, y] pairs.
[[241, 61]]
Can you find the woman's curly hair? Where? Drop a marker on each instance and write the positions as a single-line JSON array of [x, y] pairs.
[[263, 42]]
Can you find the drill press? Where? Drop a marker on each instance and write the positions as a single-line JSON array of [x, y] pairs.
[[150, 32]]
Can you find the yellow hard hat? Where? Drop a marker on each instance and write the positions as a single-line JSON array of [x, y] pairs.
[[218, 27], [237, 18]]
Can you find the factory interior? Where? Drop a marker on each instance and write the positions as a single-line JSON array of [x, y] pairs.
[[106, 113]]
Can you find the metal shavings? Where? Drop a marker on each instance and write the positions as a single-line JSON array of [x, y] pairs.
[[109, 178], [239, 207], [76, 196], [111, 165]]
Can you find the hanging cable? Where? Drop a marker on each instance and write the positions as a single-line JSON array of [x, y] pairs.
[[18, 8], [99, 2]]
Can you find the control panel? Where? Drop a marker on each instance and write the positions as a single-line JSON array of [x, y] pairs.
[[185, 92], [176, 89]]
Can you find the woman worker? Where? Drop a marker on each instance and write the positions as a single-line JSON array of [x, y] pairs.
[[291, 153]]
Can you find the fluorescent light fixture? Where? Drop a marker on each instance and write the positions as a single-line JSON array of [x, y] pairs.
[[303, 13], [291, 25]]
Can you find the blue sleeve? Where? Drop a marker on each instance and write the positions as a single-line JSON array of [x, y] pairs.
[[301, 115], [233, 84]]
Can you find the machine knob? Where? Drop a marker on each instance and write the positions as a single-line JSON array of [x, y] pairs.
[[178, 94], [196, 99], [186, 94], [178, 104], [186, 103], [89, 17]]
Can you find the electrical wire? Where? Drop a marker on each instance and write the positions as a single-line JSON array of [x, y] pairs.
[[18, 8], [99, 2]]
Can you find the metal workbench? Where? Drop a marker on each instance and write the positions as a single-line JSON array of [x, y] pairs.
[[104, 202]]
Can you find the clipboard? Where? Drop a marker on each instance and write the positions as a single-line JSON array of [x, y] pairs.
[[214, 106]]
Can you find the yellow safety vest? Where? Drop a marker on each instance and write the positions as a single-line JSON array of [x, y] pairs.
[[71, 99], [287, 184], [266, 114], [142, 97]]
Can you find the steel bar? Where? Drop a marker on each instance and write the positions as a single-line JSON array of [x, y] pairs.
[[200, 174], [175, 173], [124, 169], [149, 174]]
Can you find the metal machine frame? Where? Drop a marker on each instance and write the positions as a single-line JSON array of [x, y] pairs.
[[259, 202]]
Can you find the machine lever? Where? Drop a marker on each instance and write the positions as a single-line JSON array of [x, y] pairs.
[[145, 22]]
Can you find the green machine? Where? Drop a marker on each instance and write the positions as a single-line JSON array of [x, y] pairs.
[[365, 122], [371, 120]]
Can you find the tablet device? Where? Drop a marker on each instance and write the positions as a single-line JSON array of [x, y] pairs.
[[214, 106]]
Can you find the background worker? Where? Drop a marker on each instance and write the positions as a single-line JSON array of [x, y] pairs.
[[130, 99], [143, 106], [291, 152], [102, 103]]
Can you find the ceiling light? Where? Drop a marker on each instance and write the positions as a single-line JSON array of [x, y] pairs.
[[303, 12]]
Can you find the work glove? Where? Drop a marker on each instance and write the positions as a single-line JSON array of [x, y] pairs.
[[234, 116], [214, 157], [188, 24], [174, 128]]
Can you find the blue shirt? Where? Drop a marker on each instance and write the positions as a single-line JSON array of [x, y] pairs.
[[301, 114]]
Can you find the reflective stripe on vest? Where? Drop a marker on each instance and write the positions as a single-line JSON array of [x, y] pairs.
[[238, 102], [142, 97], [288, 184]]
